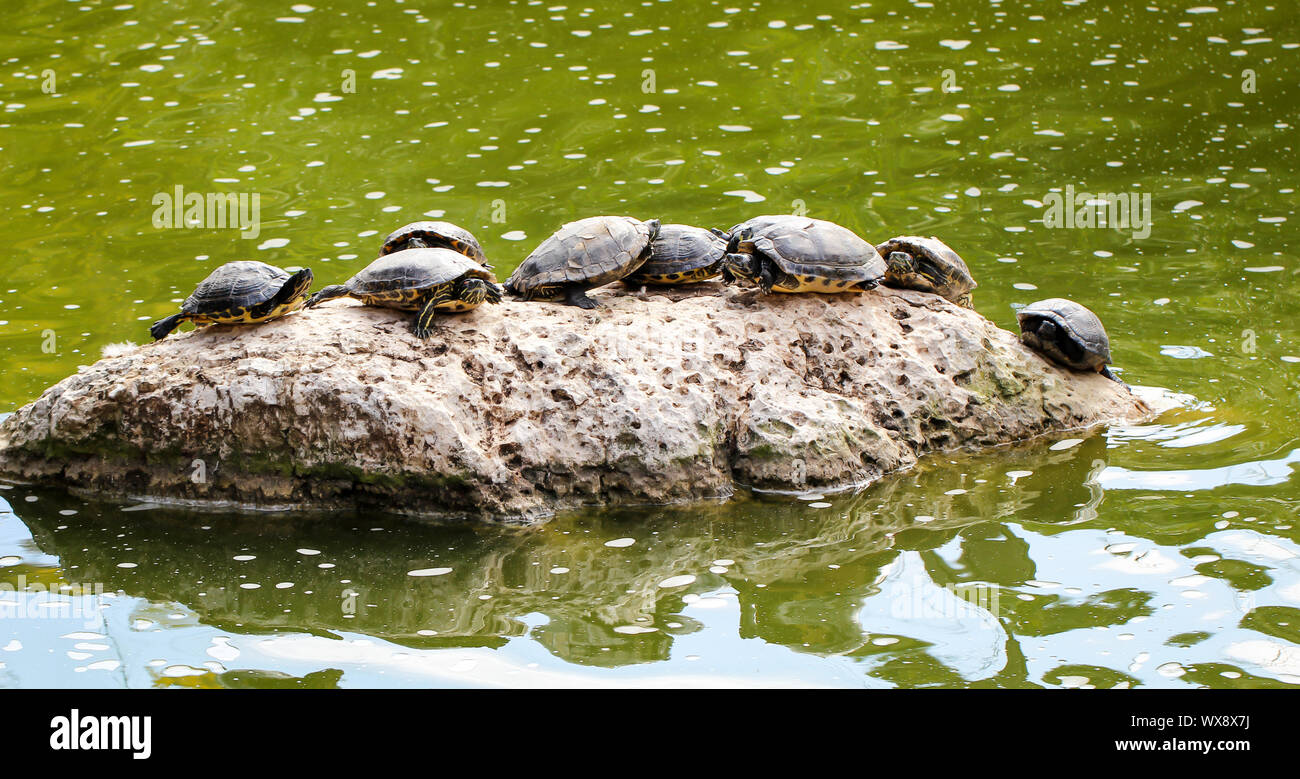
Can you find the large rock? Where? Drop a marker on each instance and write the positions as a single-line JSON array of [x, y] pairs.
[[519, 409]]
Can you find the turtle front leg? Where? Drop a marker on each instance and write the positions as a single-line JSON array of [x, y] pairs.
[[575, 295], [765, 279], [423, 327]]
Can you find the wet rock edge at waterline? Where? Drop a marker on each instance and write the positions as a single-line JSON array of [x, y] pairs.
[[522, 409]]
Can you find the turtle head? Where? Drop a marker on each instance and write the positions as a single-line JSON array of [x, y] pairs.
[[900, 263], [734, 239], [739, 266], [415, 242], [474, 291], [295, 288], [965, 301], [653, 225]]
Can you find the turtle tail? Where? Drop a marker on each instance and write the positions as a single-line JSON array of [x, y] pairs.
[[1105, 371], [328, 293], [162, 327]]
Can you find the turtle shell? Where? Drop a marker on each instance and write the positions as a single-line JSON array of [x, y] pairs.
[[589, 252], [820, 254], [1083, 328], [414, 269], [682, 254], [443, 235], [940, 269], [235, 285]]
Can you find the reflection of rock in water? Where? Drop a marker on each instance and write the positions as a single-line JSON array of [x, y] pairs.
[[959, 626], [242, 679], [800, 573]]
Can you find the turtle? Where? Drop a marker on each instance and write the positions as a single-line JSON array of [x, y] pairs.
[[423, 280], [798, 254], [582, 255], [927, 264], [1068, 334], [435, 235], [682, 254], [240, 292]]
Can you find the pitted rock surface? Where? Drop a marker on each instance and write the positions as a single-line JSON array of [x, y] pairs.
[[520, 409]]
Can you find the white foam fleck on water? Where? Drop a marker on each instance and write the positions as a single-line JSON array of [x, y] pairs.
[[749, 195], [9, 560], [955, 45], [250, 586], [13, 646], [515, 235], [619, 543], [429, 572], [559, 569], [127, 565], [1068, 443], [819, 505], [677, 581], [243, 558], [632, 630], [724, 562], [309, 552]]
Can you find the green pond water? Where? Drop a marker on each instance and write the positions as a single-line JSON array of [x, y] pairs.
[[1156, 555]]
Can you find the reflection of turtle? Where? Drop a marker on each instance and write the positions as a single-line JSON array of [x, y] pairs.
[[929, 265], [240, 292], [798, 254], [581, 255], [682, 254], [424, 280], [435, 235], [1067, 334]]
